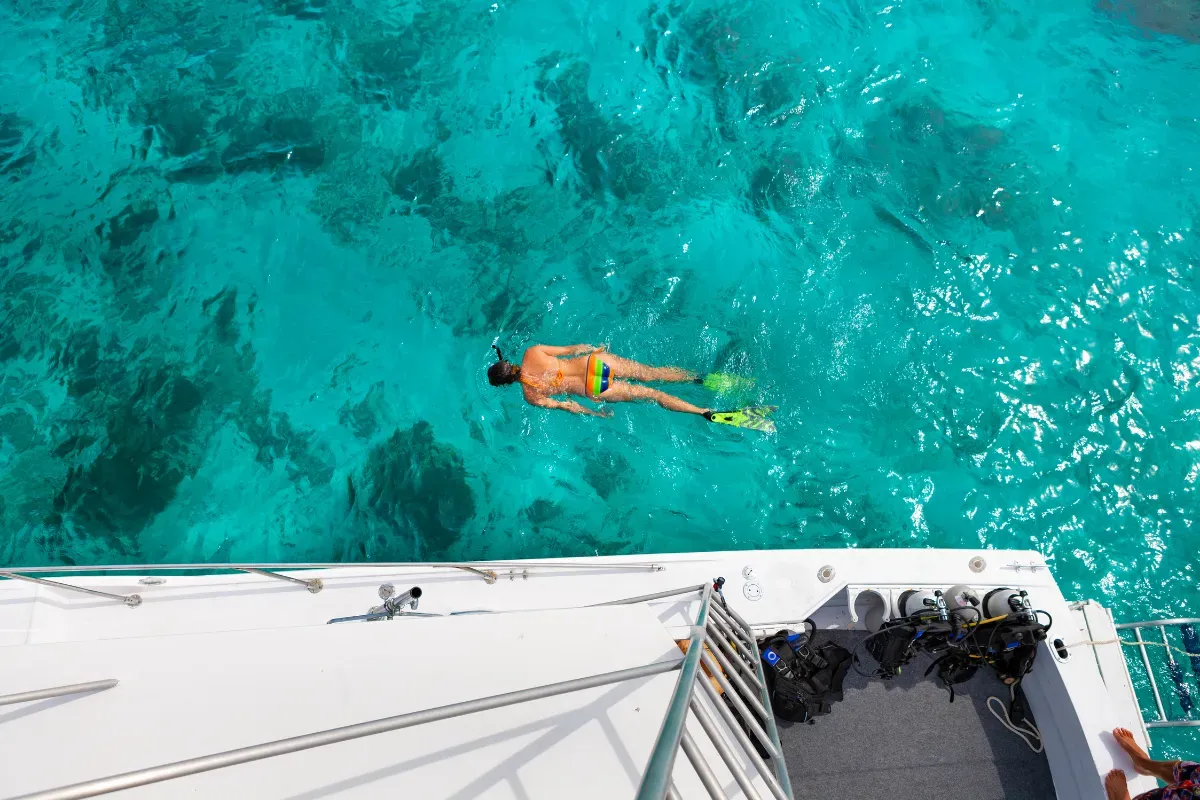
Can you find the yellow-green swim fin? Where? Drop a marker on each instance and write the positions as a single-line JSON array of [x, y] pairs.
[[753, 417], [723, 382]]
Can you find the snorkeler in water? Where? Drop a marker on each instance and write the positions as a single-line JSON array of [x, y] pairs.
[[583, 370]]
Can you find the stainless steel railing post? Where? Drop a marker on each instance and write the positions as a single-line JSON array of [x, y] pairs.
[[747, 638], [724, 750], [733, 656], [744, 740], [132, 600], [751, 696], [731, 637], [57, 691], [779, 763], [662, 758], [313, 585], [702, 768], [1179, 621], [1162, 712], [648, 597], [485, 570], [489, 576], [748, 716]]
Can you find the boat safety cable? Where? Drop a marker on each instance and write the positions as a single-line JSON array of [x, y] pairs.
[[1025, 730], [1127, 643]]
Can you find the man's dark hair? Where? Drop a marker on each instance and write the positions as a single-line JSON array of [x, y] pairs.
[[502, 373]]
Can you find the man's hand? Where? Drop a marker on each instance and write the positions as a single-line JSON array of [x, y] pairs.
[[603, 413]]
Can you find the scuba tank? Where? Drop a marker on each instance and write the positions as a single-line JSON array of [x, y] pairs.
[[913, 600], [1004, 601], [961, 596]]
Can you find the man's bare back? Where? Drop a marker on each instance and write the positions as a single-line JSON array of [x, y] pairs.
[[547, 372]]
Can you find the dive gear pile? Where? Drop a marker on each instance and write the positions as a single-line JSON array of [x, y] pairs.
[[1001, 631], [804, 678], [959, 629]]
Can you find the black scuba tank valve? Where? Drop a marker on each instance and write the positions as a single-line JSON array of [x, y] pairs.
[[1022, 606]]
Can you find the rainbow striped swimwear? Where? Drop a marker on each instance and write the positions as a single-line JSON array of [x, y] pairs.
[[597, 377]]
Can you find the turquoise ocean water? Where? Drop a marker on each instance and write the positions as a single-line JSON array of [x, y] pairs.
[[253, 255]]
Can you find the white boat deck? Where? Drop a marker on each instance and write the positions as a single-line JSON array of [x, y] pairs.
[[210, 663], [193, 694]]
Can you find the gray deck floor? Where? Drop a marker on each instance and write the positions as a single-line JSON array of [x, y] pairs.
[[904, 740]]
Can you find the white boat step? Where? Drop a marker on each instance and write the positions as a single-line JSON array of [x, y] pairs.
[[1096, 624]]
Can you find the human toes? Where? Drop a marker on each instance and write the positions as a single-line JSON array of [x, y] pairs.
[[1116, 785], [1124, 737]]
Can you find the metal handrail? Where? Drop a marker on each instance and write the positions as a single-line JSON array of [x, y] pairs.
[[645, 598], [656, 784], [1158, 623], [132, 600], [723, 749], [709, 640], [662, 760], [1162, 714], [57, 691], [781, 772], [313, 585], [268, 570], [471, 566], [1173, 669], [193, 766]]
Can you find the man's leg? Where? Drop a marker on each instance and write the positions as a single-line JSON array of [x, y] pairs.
[[1141, 760], [622, 392], [633, 371], [1115, 785]]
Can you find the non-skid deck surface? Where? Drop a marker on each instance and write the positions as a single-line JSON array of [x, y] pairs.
[[903, 740]]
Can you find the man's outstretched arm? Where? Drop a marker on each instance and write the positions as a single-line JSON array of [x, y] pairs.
[[571, 350], [569, 405]]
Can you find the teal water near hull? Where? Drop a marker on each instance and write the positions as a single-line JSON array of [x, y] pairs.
[[253, 255]]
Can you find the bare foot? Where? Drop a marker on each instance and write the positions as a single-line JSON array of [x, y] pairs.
[[1139, 757], [1116, 786]]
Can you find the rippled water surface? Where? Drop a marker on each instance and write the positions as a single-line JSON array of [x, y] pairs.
[[253, 255]]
